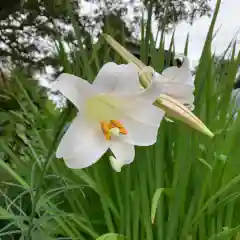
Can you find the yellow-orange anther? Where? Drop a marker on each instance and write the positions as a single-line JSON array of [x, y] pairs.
[[107, 126], [117, 124], [105, 129]]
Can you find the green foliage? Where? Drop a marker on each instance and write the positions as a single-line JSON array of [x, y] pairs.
[[187, 183]]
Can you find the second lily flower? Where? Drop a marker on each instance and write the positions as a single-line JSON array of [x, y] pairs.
[[177, 87]]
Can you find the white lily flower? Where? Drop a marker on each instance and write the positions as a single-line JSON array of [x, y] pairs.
[[113, 114], [178, 83], [170, 105]]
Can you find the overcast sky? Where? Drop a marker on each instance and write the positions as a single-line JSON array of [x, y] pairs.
[[229, 22]]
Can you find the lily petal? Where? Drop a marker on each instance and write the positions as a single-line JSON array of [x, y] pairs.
[[181, 74], [152, 92], [124, 154], [145, 113], [178, 83], [74, 88], [81, 146], [113, 78], [183, 92], [142, 123], [178, 89]]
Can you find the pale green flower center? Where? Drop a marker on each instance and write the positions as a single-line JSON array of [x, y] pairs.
[[102, 108], [104, 111]]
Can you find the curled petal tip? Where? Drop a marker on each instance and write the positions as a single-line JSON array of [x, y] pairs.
[[116, 164]]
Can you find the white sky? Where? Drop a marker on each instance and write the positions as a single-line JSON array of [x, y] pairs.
[[228, 21]]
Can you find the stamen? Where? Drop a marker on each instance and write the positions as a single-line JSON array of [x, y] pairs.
[[112, 127], [105, 129], [119, 125], [115, 131]]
